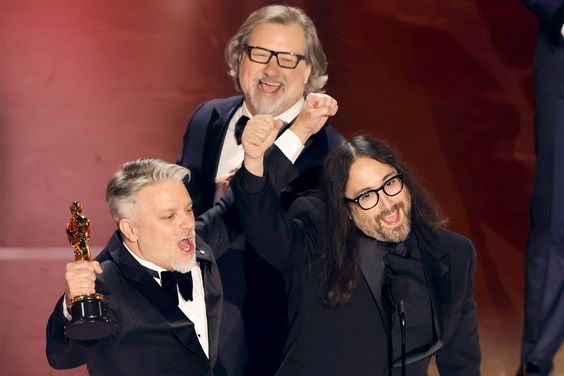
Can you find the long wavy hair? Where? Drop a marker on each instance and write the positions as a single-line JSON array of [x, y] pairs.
[[283, 15], [340, 248]]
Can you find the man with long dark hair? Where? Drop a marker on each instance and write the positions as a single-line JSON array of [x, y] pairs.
[[368, 243]]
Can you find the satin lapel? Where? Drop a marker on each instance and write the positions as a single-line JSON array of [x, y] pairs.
[[181, 326], [372, 268], [215, 134], [436, 263], [214, 295]]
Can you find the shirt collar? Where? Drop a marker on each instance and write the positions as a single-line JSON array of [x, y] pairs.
[[143, 262]]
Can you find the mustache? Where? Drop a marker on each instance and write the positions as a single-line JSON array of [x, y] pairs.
[[400, 206], [185, 235], [270, 79]]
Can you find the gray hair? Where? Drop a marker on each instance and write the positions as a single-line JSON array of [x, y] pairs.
[[135, 175], [284, 15]]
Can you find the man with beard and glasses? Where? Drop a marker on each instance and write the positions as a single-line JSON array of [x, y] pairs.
[[367, 244], [277, 63]]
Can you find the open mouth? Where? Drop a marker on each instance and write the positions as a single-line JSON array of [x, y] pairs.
[[269, 87], [186, 244], [392, 219]]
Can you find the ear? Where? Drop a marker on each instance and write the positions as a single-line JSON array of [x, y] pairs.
[[128, 229]]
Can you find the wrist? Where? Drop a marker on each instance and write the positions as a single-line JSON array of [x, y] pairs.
[[254, 165], [301, 133]]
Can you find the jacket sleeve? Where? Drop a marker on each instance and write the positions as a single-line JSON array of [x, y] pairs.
[[220, 225], [285, 240], [62, 352], [461, 354]]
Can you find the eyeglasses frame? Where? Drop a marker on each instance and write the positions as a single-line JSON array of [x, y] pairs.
[[356, 200], [248, 48]]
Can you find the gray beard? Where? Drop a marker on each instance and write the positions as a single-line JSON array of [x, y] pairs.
[[263, 106]]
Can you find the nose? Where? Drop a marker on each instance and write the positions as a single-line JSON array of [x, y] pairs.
[[272, 65], [188, 221], [386, 202]]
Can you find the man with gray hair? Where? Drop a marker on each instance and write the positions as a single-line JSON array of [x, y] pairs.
[[168, 330], [158, 272], [278, 65]]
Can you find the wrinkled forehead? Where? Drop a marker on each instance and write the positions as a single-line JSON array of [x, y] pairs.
[[367, 173], [278, 37]]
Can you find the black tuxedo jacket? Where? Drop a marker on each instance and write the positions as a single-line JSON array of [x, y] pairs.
[[351, 339], [255, 322], [155, 337], [203, 142]]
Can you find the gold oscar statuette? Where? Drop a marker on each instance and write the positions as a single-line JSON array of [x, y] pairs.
[[91, 315]]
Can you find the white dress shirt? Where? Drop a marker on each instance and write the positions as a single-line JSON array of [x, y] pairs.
[[232, 154]]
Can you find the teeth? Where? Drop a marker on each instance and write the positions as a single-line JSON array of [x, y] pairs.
[[391, 217], [270, 83]]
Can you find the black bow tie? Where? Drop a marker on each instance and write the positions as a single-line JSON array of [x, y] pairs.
[[240, 127], [170, 280], [399, 249]]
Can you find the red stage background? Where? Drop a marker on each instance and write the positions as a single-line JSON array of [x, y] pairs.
[[87, 85]]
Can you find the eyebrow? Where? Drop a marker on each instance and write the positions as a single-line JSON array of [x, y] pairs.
[[269, 49], [384, 178]]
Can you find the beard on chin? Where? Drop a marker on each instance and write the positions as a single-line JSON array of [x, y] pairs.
[[373, 227], [263, 104], [184, 266]]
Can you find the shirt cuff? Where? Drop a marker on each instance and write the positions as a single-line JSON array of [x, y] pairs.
[[290, 145], [252, 183], [65, 310]]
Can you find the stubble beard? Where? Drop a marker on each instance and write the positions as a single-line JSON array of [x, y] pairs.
[[176, 262], [373, 227], [184, 266]]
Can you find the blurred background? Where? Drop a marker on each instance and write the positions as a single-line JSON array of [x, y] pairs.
[[88, 85]]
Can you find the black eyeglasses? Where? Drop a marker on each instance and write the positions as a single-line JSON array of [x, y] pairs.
[[261, 55], [370, 199]]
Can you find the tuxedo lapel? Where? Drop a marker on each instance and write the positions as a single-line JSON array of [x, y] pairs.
[[372, 268], [215, 135], [200, 153], [436, 263], [144, 283], [213, 293]]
